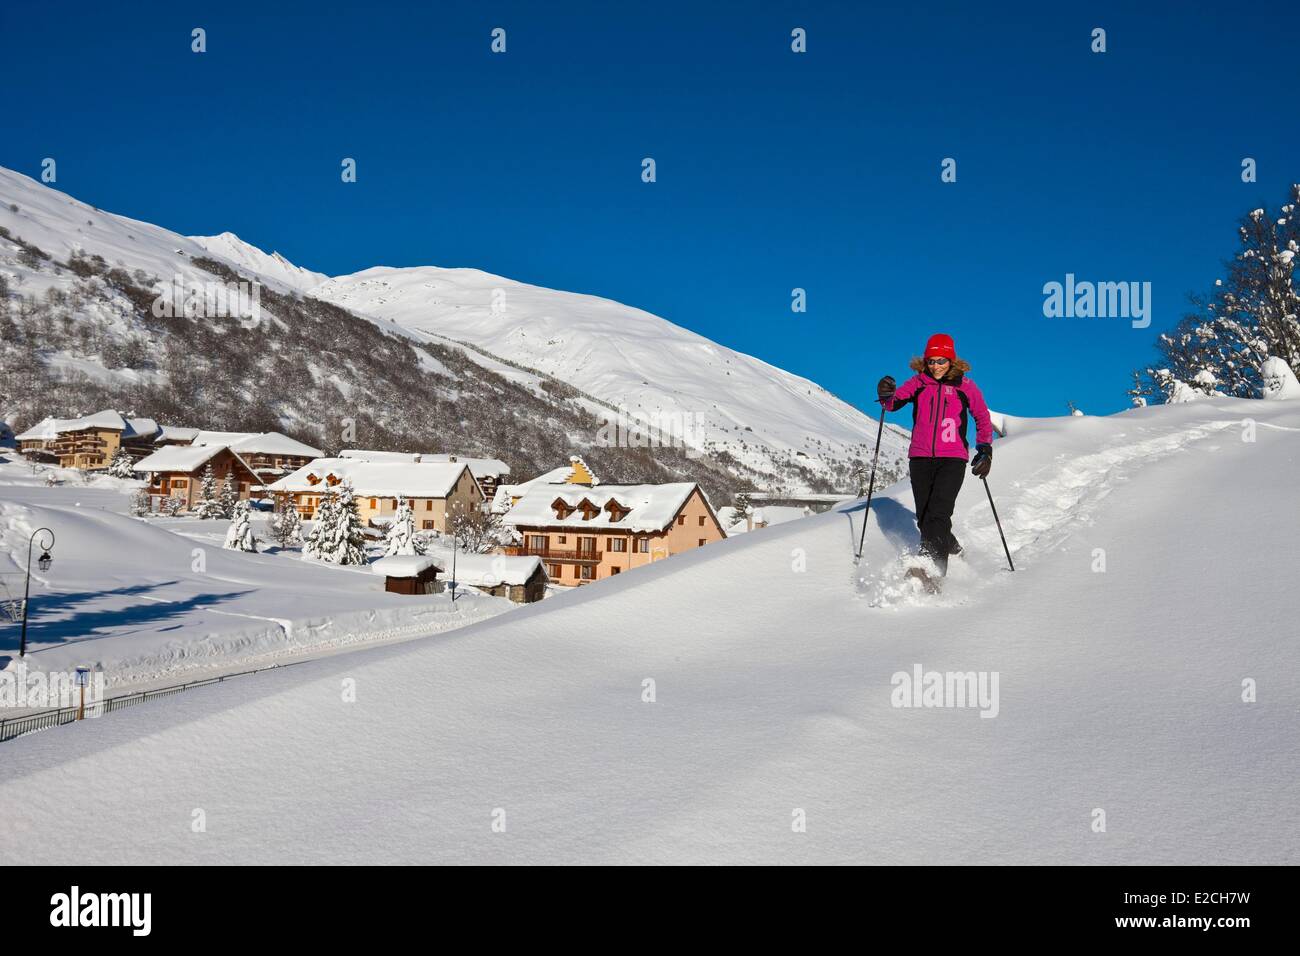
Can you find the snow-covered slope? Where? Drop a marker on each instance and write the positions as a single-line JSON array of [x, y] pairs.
[[61, 225], [248, 258], [712, 396], [1156, 560], [159, 601]]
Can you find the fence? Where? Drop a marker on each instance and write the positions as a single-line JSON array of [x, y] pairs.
[[12, 727]]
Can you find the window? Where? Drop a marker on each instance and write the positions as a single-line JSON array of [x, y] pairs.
[[372, 503], [537, 541], [586, 545], [180, 482], [615, 570], [553, 571], [428, 526], [681, 519], [701, 521], [617, 544], [428, 504], [562, 539], [643, 545], [701, 542], [587, 572]]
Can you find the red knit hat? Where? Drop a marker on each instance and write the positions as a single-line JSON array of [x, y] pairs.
[[940, 346]]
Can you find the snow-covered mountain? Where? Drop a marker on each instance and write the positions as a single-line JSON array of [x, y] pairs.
[[81, 282], [247, 257], [713, 397]]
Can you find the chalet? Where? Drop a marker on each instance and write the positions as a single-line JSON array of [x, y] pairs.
[[488, 472], [521, 579], [89, 442], [270, 455], [410, 573], [176, 471], [432, 490], [584, 534], [574, 473]]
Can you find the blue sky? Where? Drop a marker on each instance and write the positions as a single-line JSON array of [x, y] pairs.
[[775, 170]]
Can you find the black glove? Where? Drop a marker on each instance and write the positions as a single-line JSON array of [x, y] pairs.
[[982, 462], [885, 388]]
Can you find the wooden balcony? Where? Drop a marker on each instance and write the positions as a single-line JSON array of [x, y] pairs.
[[554, 554]]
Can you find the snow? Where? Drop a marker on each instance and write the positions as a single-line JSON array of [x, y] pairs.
[[158, 601], [1279, 381], [478, 467], [60, 225], [504, 493], [107, 420], [257, 443], [252, 259], [176, 434], [701, 393], [649, 507], [406, 565], [386, 479], [486, 570], [178, 458], [765, 516], [773, 692]]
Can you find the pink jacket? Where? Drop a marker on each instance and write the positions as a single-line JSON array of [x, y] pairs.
[[939, 415]]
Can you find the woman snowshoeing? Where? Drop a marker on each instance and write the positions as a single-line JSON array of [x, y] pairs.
[[942, 399]]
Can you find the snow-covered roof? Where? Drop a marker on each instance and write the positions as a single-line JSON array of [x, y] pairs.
[[387, 479], [488, 570], [478, 467], [257, 443], [407, 565], [365, 454], [556, 476], [107, 420], [176, 433], [186, 458], [648, 507]]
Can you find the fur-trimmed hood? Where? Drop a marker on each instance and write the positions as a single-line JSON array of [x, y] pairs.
[[959, 366]]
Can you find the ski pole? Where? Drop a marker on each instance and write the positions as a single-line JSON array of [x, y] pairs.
[[871, 487], [999, 521]]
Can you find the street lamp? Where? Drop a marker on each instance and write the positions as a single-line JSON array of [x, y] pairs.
[[43, 563]]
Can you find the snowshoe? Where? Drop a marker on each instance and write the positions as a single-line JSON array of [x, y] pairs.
[[924, 571], [928, 582]]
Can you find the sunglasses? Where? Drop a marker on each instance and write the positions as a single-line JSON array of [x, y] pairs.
[[936, 361]]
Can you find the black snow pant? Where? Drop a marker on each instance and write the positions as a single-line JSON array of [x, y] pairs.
[[935, 483]]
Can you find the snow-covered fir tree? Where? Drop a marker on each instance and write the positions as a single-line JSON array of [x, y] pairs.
[[337, 536], [286, 527], [229, 496], [140, 503], [744, 506], [240, 535], [401, 537], [121, 464], [172, 506], [208, 506], [1252, 314]]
